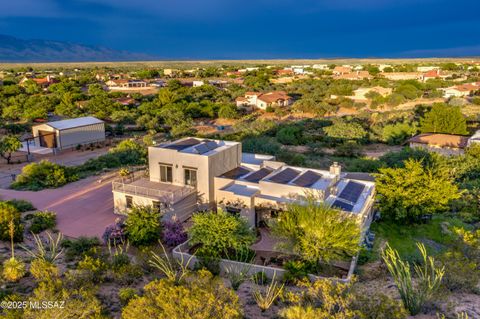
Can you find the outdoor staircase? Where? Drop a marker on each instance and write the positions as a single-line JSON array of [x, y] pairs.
[[182, 209]]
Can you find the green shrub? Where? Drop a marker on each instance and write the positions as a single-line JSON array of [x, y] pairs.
[[210, 264], [13, 269], [9, 212], [296, 270], [219, 234], [290, 135], [22, 205], [45, 174], [93, 266], [143, 225], [379, 306], [260, 278], [126, 294], [42, 221], [461, 273], [75, 248], [43, 270]]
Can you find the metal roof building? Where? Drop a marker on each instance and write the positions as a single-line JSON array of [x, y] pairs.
[[69, 133]]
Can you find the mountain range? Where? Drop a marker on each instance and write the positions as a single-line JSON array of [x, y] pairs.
[[19, 50]]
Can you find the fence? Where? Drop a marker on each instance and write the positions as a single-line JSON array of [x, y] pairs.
[[180, 254]]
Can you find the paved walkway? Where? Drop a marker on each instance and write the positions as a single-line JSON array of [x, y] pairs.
[[83, 208]]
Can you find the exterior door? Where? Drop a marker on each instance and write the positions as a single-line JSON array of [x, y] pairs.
[[47, 139]]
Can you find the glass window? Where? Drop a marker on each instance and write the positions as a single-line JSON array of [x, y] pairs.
[[129, 201], [166, 173], [191, 177]]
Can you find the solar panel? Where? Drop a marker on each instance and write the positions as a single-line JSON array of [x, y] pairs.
[[285, 176], [343, 206], [307, 179], [236, 173], [202, 149], [258, 175], [211, 145], [352, 191], [183, 144]]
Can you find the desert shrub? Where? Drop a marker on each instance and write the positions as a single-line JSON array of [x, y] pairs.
[[93, 266], [43, 270], [219, 233], [8, 213], [42, 221], [380, 306], [114, 233], [77, 247], [212, 264], [429, 277], [260, 278], [461, 273], [290, 135], [261, 145], [267, 296], [348, 149], [143, 225], [127, 274], [126, 294], [173, 233], [296, 270], [13, 269], [22, 205], [292, 158], [201, 296], [45, 174]]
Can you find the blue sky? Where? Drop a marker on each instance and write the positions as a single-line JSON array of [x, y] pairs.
[[216, 29]]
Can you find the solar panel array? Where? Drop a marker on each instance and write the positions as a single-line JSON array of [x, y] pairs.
[[352, 192], [205, 147], [236, 172], [183, 144], [307, 179], [342, 205], [285, 176], [258, 175]]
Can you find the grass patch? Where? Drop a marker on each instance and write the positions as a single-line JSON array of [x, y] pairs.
[[404, 237]]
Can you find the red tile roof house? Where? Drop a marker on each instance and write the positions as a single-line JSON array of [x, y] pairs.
[[42, 82], [445, 144], [264, 100], [434, 74]]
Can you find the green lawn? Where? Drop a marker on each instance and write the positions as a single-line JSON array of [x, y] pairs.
[[404, 237]]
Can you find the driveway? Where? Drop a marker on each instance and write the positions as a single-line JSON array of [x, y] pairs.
[[83, 208]]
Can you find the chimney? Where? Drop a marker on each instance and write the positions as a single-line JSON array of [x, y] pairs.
[[335, 169]]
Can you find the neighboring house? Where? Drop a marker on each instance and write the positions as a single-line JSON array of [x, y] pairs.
[[126, 101], [170, 72], [445, 144], [126, 84], [339, 70], [399, 76], [198, 83], [320, 66], [354, 75], [427, 68], [284, 72], [359, 94], [434, 74], [216, 173], [69, 133], [461, 90], [42, 82], [264, 100]]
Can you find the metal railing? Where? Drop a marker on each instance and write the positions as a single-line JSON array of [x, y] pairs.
[[170, 196]]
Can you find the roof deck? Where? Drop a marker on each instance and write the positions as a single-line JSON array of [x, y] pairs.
[[200, 146]]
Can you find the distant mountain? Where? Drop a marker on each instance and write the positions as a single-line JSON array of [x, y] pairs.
[[18, 50]]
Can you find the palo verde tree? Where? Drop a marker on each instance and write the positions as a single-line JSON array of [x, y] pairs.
[[407, 193], [443, 118], [317, 232], [8, 145]]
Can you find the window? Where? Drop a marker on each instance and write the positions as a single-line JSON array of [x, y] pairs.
[[157, 205], [129, 201], [190, 177], [166, 173]]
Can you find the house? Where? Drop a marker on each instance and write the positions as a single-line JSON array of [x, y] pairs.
[[434, 74], [400, 76], [461, 90], [284, 72], [193, 173], [126, 84], [198, 83], [69, 133], [320, 66], [445, 144], [339, 70], [264, 100], [427, 68], [42, 82], [354, 75]]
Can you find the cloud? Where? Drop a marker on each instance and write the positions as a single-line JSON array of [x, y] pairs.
[[29, 8]]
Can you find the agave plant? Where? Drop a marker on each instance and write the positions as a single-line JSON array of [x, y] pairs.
[[266, 298], [175, 270], [48, 252]]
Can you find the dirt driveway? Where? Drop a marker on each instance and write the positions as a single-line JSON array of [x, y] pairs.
[[83, 208]]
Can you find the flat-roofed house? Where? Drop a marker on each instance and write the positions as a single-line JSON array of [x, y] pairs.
[[69, 133], [461, 90], [194, 172]]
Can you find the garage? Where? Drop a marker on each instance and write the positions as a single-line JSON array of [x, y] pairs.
[[69, 133]]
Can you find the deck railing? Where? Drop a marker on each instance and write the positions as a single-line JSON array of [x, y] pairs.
[[171, 196]]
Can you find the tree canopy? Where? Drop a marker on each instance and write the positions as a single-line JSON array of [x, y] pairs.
[[444, 119]]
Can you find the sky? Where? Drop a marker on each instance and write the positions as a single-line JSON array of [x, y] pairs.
[[254, 29]]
